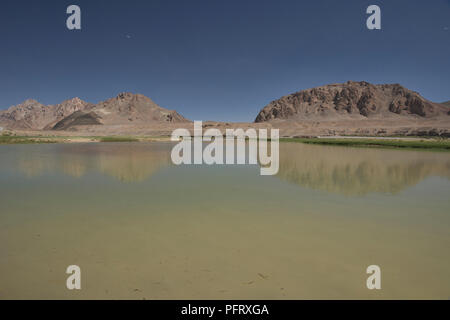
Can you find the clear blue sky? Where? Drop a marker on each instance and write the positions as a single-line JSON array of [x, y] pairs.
[[218, 60]]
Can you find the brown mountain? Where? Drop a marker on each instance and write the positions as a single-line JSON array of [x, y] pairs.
[[78, 118], [352, 101], [28, 115], [67, 108], [447, 103], [125, 109], [36, 116], [134, 108]]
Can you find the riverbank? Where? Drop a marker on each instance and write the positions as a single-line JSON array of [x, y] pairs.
[[74, 139], [379, 142], [406, 143]]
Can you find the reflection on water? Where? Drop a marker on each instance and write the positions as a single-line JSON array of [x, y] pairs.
[[349, 171], [141, 228], [358, 171], [125, 162]]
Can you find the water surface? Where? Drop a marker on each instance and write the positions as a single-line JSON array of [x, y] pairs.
[[142, 228]]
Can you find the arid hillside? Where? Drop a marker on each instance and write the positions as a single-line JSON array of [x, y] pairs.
[[357, 108], [351, 108], [125, 109], [33, 115], [353, 101]]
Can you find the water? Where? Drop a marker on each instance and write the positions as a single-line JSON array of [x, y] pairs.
[[142, 228]]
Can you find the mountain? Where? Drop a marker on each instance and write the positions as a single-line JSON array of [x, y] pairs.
[[447, 103], [36, 116], [125, 109], [67, 108], [352, 101], [134, 108], [27, 115], [78, 118]]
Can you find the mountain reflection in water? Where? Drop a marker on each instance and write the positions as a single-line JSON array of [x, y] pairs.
[[127, 162], [358, 171], [341, 170]]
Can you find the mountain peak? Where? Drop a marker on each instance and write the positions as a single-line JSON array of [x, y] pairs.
[[29, 102], [124, 95], [128, 108], [131, 95], [75, 100]]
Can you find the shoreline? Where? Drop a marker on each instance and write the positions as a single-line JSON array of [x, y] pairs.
[[416, 143], [9, 140], [378, 142]]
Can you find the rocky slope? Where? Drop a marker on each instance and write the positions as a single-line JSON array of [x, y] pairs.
[[66, 109], [352, 101], [78, 118], [33, 115], [125, 109], [134, 108]]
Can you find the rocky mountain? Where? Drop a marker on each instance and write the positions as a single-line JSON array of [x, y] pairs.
[[78, 118], [36, 116], [447, 103], [66, 109], [352, 101], [30, 114], [134, 108], [126, 108]]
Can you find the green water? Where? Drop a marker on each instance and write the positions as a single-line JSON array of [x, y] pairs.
[[142, 228]]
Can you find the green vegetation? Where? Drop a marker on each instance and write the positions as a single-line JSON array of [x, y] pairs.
[[422, 143], [6, 139], [11, 138], [443, 144], [118, 139]]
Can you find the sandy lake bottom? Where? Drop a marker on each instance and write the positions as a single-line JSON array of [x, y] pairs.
[[141, 228]]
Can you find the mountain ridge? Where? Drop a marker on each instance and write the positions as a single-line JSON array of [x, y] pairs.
[[125, 108], [351, 100], [351, 108]]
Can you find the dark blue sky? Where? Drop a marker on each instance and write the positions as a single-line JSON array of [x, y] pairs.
[[218, 60]]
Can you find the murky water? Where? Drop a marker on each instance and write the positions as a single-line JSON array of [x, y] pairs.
[[140, 227]]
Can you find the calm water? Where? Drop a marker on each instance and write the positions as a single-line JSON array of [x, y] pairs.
[[140, 227]]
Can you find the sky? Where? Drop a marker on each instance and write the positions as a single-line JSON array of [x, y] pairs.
[[218, 60]]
